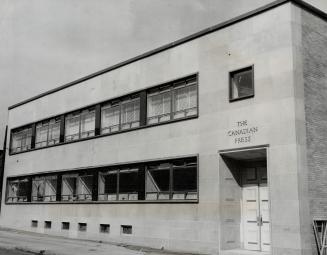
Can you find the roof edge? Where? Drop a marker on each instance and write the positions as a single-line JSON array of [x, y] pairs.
[[183, 40]]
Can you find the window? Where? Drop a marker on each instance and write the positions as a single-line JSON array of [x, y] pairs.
[[47, 224], [120, 184], [104, 228], [80, 125], [177, 180], [65, 225], [82, 226], [241, 84], [34, 223], [18, 190], [44, 189], [120, 115], [179, 100], [126, 229], [77, 187], [47, 133], [21, 140]]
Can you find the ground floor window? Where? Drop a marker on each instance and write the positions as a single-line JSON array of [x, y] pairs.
[[120, 184], [18, 190], [175, 179], [172, 180], [44, 188], [77, 187]]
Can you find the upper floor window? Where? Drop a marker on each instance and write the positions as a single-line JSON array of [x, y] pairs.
[[18, 190], [80, 125], [21, 140], [44, 188], [120, 115], [241, 84], [120, 184], [177, 180], [47, 133], [175, 101]]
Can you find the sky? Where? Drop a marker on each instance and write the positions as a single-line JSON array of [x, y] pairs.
[[47, 43]]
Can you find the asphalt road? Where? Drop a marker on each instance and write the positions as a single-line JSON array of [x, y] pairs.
[[12, 252]]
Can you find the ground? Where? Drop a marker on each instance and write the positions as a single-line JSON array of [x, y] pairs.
[[15, 242]]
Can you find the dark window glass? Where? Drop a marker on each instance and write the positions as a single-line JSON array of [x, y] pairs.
[[65, 225], [34, 223], [21, 140], [18, 190], [177, 180], [47, 224], [82, 226], [241, 84], [104, 228], [127, 188], [126, 229]]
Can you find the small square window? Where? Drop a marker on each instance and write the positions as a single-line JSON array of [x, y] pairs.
[[104, 228], [82, 227], [34, 223], [47, 224], [126, 229], [241, 84], [65, 225]]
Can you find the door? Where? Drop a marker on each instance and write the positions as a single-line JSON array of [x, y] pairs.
[[256, 222], [265, 221]]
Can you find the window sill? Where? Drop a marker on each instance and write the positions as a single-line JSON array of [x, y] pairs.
[[112, 202], [104, 135], [240, 98]]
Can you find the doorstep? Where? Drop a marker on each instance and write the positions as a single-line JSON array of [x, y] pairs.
[[243, 252]]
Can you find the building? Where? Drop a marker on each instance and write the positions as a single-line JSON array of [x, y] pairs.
[[215, 143]]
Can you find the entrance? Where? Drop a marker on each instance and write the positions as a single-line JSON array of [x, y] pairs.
[[255, 209], [245, 213]]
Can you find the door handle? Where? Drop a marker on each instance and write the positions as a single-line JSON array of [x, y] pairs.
[[259, 220]]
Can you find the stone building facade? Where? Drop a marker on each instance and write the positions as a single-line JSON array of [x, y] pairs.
[[214, 144]]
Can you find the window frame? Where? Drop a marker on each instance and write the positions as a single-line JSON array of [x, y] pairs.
[[171, 190], [95, 171], [141, 94], [241, 70], [117, 171]]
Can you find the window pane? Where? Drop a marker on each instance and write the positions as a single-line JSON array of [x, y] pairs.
[[41, 134], [108, 185], [87, 123], [128, 184], [69, 184], [54, 132], [18, 190], [110, 118], [37, 189], [130, 113], [50, 188], [72, 127], [159, 107], [21, 140], [185, 179], [84, 188], [242, 84]]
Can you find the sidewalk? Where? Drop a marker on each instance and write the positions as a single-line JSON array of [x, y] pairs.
[[36, 243]]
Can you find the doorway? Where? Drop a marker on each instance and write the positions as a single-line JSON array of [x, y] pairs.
[[255, 209], [244, 200]]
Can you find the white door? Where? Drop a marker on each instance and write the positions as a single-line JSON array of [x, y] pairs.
[[256, 222], [265, 221], [250, 218]]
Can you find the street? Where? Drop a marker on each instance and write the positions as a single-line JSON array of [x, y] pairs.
[[15, 242]]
